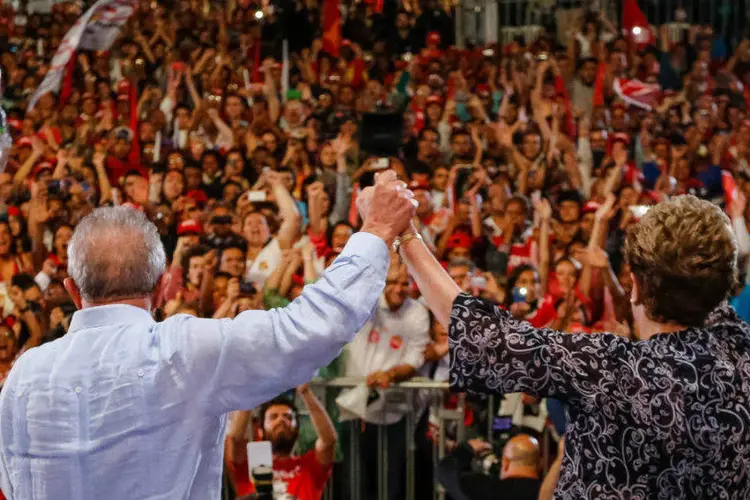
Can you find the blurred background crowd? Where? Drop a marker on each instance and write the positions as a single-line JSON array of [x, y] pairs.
[[534, 134]]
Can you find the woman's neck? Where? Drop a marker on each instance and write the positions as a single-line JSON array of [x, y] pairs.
[[649, 328]]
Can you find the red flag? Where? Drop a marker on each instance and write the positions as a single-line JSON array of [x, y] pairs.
[[569, 126], [635, 23], [601, 73], [331, 27], [639, 94]]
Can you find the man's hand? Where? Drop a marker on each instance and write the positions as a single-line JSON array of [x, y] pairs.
[[479, 445], [379, 380], [387, 207]]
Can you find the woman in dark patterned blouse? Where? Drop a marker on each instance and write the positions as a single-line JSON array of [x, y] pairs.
[[665, 417]]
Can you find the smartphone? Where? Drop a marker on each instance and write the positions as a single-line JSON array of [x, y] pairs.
[[256, 196], [247, 289], [259, 454], [488, 52], [542, 57], [54, 187], [381, 164], [520, 294], [406, 57]]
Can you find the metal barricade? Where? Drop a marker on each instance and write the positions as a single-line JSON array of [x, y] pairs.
[[443, 415]]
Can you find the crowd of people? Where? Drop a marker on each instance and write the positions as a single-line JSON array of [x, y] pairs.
[[528, 165]]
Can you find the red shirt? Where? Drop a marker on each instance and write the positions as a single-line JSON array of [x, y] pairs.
[[304, 476]]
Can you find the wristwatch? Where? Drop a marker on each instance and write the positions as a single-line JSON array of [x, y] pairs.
[[406, 236]]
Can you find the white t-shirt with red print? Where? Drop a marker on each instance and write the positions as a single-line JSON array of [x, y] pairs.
[[389, 339]]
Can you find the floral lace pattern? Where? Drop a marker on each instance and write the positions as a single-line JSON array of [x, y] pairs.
[[664, 418]]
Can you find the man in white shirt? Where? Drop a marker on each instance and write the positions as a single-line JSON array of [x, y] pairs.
[[124, 407], [388, 349]]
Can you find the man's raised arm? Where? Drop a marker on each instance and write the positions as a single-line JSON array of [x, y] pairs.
[[238, 364]]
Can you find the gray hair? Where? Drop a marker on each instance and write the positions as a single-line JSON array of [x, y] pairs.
[[115, 253]]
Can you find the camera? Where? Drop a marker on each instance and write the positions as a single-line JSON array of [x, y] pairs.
[[486, 463]]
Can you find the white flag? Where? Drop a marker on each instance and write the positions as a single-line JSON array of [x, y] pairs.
[[96, 29]]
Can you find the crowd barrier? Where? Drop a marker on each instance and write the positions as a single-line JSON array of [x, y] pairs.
[[444, 418]]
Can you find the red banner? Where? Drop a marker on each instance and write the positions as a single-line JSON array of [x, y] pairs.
[[331, 27]]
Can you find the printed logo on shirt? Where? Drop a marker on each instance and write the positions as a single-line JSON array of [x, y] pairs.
[[396, 342], [374, 337], [263, 266]]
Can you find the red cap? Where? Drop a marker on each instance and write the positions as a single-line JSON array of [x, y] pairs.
[[620, 137], [189, 226], [14, 211], [24, 141], [419, 185], [45, 165], [198, 196], [434, 99], [591, 206], [433, 37], [459, 240]]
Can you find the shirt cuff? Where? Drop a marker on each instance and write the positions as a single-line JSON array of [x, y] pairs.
[[371, 248]]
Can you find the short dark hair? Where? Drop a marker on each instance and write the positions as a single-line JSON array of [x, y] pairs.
[[24, 281], [683, 255], [240, 245]]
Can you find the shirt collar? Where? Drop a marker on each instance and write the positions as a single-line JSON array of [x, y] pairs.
[[109, 315]]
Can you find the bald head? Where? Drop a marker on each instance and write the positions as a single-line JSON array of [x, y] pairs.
[[115, 253], [521, 457]]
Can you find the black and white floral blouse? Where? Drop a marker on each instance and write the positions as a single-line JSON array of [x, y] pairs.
[[665, 418]]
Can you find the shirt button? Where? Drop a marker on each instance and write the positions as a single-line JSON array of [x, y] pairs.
[[78, 389], [140, 372]]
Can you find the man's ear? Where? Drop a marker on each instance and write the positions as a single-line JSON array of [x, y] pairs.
[[73, 291]]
